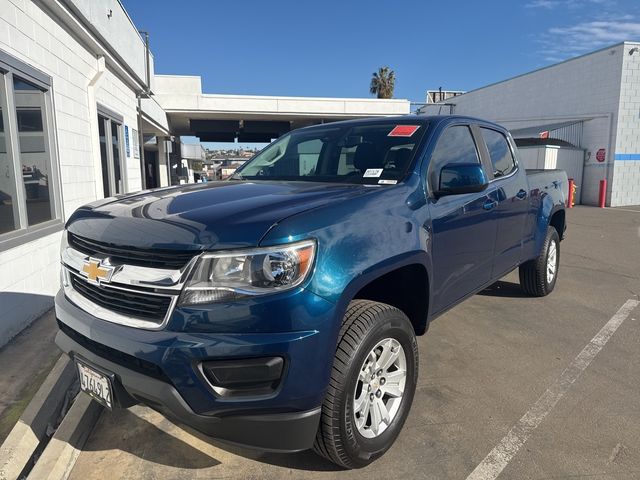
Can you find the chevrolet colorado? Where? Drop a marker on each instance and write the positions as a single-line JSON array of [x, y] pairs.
[[279, 309]]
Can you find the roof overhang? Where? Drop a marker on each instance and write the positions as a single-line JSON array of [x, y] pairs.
[[191, 112]]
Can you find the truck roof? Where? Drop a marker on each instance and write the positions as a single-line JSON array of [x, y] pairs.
[[412, 118]]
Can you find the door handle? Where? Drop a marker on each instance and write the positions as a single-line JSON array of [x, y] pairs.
[[522, 194], [489, 204]]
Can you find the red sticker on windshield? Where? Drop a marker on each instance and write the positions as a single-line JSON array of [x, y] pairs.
[[403, 130]]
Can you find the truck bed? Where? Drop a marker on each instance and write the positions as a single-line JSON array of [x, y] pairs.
[[549, 179]]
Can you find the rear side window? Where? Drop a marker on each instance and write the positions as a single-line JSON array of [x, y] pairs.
[[455, 145], [499, 151]]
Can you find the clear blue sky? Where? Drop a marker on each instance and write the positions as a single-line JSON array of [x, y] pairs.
[[331, 48]]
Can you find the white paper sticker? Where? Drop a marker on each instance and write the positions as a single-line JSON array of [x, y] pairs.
[[373, 172], [387, 182]]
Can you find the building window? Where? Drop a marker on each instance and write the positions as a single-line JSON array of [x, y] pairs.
[[29, 188], [111, 153]]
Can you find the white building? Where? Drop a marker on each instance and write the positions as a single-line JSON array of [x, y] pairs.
[[77, 86], [591, 102]]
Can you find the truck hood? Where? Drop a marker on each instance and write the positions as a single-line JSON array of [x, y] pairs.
[[215, 215]]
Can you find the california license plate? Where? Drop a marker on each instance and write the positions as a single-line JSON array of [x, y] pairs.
[[95, 384]]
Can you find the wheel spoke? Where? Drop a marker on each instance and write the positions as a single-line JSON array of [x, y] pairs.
[[388, 356], [360, 402], [382, 409], [364, 413], [393, 383], [376, 418]]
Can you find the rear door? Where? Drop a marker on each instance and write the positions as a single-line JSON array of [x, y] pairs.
[[511, 188], [463, 226]]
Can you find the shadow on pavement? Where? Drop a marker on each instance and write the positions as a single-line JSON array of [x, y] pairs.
[[504, 289], [138, 437], [307, 460], [18, 310]]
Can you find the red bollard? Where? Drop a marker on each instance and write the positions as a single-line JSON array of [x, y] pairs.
[[602, 194], [571, 192]]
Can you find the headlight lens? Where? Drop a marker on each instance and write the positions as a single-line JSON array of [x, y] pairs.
[[226, 276]]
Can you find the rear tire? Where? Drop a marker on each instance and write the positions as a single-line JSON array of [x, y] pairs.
[[376, 340], [538, 276]]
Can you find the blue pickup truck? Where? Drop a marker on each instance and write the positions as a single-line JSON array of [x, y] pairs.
[[279, 309]]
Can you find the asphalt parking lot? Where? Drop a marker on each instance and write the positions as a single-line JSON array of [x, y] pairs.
[[483, 366]]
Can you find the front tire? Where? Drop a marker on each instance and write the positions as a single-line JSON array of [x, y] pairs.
[[538, 276], [372, 385]]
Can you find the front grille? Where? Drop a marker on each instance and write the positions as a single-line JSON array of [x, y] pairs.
[[156, 258], [115, 356], [131, 303]]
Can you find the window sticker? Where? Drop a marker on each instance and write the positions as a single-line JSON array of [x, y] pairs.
[[373, 172], [403, 130], [387, 182]]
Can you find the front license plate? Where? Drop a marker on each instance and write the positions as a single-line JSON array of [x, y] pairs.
[[95, 384]]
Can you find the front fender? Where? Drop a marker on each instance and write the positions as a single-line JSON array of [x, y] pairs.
[[358, 241]]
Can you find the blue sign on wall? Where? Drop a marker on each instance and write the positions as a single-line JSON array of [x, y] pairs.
[[126, 140]]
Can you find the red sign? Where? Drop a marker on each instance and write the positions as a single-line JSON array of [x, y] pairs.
[[544, 134], [403, 130], [601, 154]]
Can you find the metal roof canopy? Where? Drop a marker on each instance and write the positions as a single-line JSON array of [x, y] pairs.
[[545, 127], [244, 130]]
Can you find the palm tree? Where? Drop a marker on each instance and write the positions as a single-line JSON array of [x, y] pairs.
[[383, 82]]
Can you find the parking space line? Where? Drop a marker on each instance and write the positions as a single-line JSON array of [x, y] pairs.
[[496, 461]]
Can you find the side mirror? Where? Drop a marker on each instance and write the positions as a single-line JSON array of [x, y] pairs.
[[458, 178]]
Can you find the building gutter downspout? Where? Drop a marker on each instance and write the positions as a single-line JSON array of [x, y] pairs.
[[93, 115], [146, 93]]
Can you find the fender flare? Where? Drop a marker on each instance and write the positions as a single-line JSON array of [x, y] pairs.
[[545, 213], [378, 270]]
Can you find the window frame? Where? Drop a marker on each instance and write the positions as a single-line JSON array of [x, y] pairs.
[[489, 163], [110, 117], [10, 66]]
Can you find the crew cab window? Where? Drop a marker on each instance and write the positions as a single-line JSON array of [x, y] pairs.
[[455, 145], [499, 152]]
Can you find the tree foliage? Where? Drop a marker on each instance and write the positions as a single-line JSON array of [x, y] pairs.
[[383, 82]]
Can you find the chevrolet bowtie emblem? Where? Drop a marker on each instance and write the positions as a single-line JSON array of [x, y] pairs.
[[96, 272]]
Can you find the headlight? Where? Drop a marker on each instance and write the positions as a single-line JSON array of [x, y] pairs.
[[225, 276]]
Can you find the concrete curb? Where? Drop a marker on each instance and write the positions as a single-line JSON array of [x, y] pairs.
[[31, 429], [60, 455]]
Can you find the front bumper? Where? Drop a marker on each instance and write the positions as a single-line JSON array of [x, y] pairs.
[[160, 369]]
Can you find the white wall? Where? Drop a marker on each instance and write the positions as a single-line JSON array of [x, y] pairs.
[[29, 273], [549, 157], [581, 88], [626, 177]]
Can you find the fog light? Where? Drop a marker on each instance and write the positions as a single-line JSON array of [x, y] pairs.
[[246, 377]]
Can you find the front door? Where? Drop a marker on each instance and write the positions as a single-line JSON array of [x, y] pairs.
[[151, 169], [463, 227]]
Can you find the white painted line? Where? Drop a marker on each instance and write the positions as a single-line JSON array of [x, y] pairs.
[[624, 209], [494, 463]]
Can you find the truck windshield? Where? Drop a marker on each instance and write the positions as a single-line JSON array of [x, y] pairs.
[[376, 153]]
